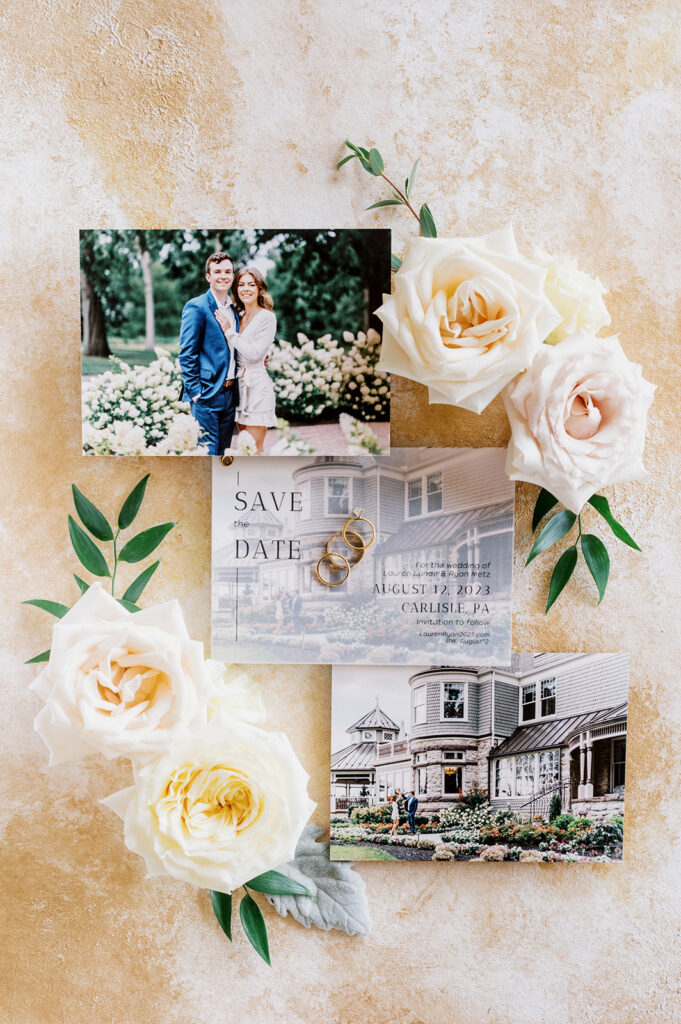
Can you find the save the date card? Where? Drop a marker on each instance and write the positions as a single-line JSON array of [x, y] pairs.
[[400, 559]]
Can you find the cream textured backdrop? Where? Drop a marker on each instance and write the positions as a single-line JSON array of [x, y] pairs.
[[560, 116]]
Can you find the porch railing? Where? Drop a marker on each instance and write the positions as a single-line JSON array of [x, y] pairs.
[[540, 801], [341, 803]]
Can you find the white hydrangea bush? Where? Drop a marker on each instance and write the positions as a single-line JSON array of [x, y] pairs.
[[136, 410], [360, 437], [312, 377]]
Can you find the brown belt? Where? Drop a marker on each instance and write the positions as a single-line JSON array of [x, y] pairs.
[[229, 383]]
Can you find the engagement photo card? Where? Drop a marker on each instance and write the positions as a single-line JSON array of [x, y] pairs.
[[382, 560], [198, 342], [524, 762]]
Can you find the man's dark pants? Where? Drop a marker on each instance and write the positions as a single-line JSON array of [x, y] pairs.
[[411, 816], [215, 416]]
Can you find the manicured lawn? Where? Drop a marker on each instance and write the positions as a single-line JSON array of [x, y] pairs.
[[348, 852], [132, 352]]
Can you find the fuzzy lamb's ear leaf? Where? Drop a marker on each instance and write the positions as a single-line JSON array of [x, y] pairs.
[[598, 560], [565, 566], [90, 516], [255, 927], [557, 527], [338, 894], [602, 506], [545, 502], [132, 503], [395, 262]]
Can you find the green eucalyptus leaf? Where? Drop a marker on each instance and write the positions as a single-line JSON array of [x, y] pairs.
[[222, 907], [82, 585], [135, 589], [276, 883], [128, 605], [427, 223], [45, 656], [565, 566], [385, 202], [87, 552], [345, 160], [598, 560], [545, 502], [376, 162], [409, 188], [53, 607], [141, 545], [602, 506], [395, 262], [90, 516], [131, 505], [557, 527], [254, 926]]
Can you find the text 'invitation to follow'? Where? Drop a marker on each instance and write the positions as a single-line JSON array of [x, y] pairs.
[[423, 577]]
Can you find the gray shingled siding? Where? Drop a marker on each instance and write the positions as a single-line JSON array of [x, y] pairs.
[[318, 486], [505, 708], [392, 504], [591, 685], [485, 707], [476, 481]]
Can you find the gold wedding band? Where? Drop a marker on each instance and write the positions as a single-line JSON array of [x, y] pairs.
[[335, 567], [364, 545], [361, 548]]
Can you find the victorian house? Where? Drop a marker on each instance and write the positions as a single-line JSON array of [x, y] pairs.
[[353, 772], [548, 724]]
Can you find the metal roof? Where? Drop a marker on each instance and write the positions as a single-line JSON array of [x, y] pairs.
[[428, 531], [543, 735], [374, 719], [357, 755]]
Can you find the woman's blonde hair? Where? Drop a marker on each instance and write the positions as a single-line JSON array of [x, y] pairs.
[[264, 297]]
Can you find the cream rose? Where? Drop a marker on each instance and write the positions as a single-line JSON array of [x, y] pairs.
[[576, 296], [119, 682], [578, 419], [224, 805], [466, 316]]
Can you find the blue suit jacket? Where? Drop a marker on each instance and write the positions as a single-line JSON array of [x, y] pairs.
[[411, 801], [204, 352]]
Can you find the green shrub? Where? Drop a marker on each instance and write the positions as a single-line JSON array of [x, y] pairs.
[[476, 797], [555, 807]]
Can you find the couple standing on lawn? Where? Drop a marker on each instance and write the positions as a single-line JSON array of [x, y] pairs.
[[224, 343], [410, 805]]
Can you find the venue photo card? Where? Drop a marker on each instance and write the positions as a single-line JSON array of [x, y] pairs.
[[434, 586], [526, 761], [201, 341]]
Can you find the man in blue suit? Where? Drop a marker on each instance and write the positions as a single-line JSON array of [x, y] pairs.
[[207, 362], [411, 808]]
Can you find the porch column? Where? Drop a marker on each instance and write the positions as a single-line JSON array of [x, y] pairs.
[[582, 767], [589, 787]]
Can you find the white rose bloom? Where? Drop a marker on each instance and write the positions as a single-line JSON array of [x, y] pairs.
[[576, 296], [578, 419], [119, 682], [233, 693], [466, 316], [227, 803]]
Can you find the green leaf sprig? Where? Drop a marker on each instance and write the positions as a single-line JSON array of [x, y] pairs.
[[592, 547], [274, 883], [372, 162], [95, 524]]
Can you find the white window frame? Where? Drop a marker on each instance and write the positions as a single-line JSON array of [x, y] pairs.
[[537, 702], [421, 792], [388, 735], [459, 768], [616, 739], [453, 682], [417, 721], [452, 755], [329, 495], [366, 735], [422, 479]]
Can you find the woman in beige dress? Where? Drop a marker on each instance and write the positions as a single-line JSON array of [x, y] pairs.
[[252, 343]]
